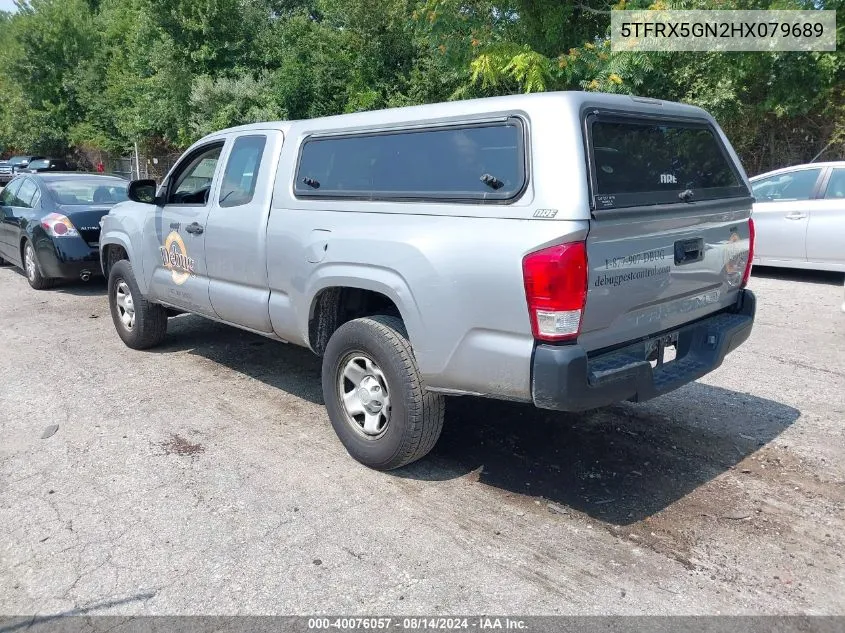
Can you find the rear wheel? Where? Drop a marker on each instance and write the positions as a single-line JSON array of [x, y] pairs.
[[141, 324], [375, 398], [33, 269]]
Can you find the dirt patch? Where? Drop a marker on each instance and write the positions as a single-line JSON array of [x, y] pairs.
[[770, 494], [619, 465], [681, 487], [178, 445]]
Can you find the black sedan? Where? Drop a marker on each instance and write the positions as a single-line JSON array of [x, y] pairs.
[[19, 163], [48, 164], [50, 224]]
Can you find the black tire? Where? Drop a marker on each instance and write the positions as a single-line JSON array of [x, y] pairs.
[[149, 326], [415, 415], [32, 269]]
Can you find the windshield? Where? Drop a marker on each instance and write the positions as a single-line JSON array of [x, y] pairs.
[[87, 191], [39, 164], [19, 160]]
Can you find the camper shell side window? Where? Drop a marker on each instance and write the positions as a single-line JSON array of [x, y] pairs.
[[476, 163]]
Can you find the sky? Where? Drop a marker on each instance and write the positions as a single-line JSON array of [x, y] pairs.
[[7, 5]]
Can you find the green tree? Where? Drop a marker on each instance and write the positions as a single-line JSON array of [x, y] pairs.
[[106, 74], [49, 40]]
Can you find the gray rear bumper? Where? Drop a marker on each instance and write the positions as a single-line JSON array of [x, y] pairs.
[[565, 378]]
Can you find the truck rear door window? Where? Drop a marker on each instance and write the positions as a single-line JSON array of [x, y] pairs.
[[241, 174], [642, 162], [483, 162]]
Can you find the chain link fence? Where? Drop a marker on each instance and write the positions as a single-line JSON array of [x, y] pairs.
[[154, 167], [128, 167]]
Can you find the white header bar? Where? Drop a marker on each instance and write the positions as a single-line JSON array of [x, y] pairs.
[[705, 30]]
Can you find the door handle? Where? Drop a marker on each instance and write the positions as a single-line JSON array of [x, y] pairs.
[[795, 215], [689, 251], [194, 228]]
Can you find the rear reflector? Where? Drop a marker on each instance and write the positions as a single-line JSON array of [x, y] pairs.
[[556, 290]]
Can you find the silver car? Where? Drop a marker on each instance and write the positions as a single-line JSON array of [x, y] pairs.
[[566, 249], [5, 173], [799, 216]]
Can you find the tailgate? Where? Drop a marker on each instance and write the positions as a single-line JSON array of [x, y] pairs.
[[669, 238]]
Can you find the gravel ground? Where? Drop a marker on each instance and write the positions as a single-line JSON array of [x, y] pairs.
[[204, 477]]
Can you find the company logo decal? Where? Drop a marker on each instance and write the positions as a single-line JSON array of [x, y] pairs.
[[174, 255]]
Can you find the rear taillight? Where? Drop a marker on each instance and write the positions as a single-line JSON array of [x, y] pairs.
[[556, 290], [58, 225], [751, 237]]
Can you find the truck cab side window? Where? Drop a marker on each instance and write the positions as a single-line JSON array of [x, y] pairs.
[[192, 181], [241, 173]]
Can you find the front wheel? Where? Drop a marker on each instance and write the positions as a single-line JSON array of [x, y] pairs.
[[33, 270], [375, 398], [141, 324]]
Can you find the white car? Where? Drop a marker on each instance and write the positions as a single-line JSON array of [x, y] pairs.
[[799, 217]]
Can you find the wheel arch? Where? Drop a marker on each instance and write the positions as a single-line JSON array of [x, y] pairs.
[[336, 299], [113, 249], [27, 236]]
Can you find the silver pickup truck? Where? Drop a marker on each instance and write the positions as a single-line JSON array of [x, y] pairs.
[[567, 249]]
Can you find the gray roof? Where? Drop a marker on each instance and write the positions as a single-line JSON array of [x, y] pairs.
[[453, 109]]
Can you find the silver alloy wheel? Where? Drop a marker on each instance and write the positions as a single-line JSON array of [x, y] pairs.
[[364, 396], [29, 262], [125, 304]]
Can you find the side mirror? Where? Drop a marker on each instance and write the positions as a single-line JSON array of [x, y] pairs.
[[143, 191]]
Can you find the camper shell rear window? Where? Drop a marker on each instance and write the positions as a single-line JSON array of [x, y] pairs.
[[644, 161]]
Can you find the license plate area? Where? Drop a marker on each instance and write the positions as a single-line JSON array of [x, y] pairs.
[[662, 350]]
